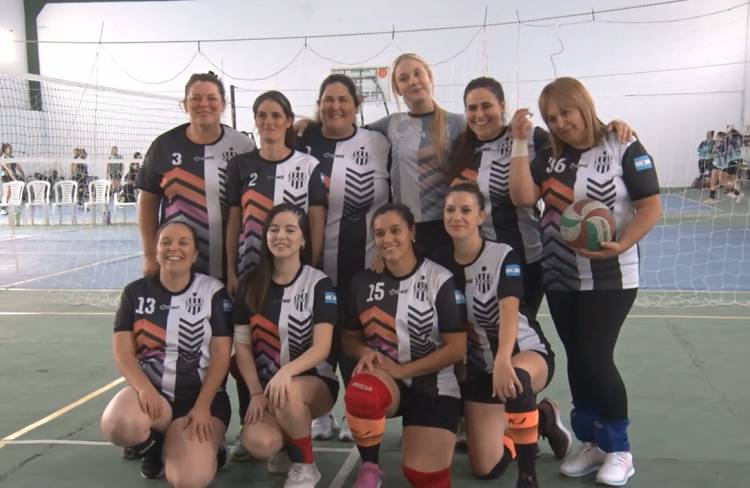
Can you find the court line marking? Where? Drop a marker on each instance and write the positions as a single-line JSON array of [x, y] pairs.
[[50, 275], [59, 412], [346, 468], [70, 442], [68, 290], [55, 313]]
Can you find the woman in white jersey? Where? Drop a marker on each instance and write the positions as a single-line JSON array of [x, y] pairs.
[[589, 292]]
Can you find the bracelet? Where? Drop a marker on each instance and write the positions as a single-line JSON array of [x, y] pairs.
[[519, 149]]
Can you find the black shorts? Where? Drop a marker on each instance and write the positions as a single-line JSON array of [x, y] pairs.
[[478, 387], [425, 410], [333, 385], [220, 407], [732, 169]]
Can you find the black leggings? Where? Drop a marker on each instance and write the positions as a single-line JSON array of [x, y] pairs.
[[588, 323]]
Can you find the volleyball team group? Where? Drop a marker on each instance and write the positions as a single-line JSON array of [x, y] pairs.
[[412, 253]]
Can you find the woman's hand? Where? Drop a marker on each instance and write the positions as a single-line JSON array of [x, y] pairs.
[[300, 126], [231, 284], [151, 402], [257, 409], [623, 130], [369, 362], [277, 390], [394, 369], [199, 423], [609, 250], [377, 264], [520, 124], [505, 383]]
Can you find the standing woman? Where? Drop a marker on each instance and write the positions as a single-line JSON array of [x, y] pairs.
[[257, 181], [421, 142], [589, 292], [285, 319], [354, 165], [508, 359], [184, 175], [406, 326], [172, 343]]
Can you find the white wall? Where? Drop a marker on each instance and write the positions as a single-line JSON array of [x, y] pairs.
[[671, 110], [12, 18]]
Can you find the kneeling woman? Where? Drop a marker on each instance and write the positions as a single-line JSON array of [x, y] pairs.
[[407, 328], [508, 359], [172, 343], [285, 316]]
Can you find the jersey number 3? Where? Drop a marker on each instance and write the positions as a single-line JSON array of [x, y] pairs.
[[146, 306]]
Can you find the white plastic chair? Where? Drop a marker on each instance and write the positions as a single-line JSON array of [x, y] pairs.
[[66, 194], [123, 205], [98, 195], [37, 195], [15, 199]]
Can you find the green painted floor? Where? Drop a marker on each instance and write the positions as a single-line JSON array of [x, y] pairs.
[[686, 372]]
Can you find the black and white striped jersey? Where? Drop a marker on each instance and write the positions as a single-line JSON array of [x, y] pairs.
[[490, 169], [173, 331], [257, 185], [495, 274], [283, 330], [610, 172], [403, 318], [419, 176], [192, 181], [355, 174]]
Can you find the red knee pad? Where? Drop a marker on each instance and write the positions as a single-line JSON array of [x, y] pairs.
[[367, 397], [435, 479]]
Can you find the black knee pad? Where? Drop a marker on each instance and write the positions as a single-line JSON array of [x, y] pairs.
[[526, 401]]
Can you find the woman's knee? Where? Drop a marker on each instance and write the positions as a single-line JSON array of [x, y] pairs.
[[124, 428], [263, 445], [185, 477]]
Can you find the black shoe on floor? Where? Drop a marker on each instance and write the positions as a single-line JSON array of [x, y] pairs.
[[552, 428], [152, 464], [129, 453], [221, 457]]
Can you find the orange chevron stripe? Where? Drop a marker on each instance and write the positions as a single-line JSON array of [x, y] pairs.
[[142, 340], [562, 196], [174, 188], [376, 321], [182, 175], [263, 329], [258, 199], [466, 175]]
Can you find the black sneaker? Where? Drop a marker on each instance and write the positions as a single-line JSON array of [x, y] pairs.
[[552, 428], [221, 457], [527, 481], [129, 453], [152, 464]]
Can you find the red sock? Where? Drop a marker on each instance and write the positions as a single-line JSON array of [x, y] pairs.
[[300, 450]]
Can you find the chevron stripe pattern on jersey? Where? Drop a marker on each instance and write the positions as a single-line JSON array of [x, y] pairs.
[[380, 331], [358, 193], [431, 179], [190, 339], [299, 200], [486, 316], [255, 208], [266, 346], [498, 183], [299, 335], [420, 324], [604, 192], [148, 335], [557, 254]]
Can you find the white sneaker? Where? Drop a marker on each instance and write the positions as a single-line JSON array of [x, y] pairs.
[[587, 459], [345, 433], [279, 463], [322, 427], [237, 451], [302, 476], [738, 197], [616, 470]]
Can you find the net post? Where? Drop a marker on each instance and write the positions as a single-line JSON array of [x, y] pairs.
[[234, 110]]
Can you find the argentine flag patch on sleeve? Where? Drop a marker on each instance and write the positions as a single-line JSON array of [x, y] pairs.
[[643, 163], [513, 270], [460, 300], [330, 297], [226, 305]]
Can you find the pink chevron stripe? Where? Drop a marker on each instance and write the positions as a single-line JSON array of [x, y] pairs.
[[551, 216], [184, 207], [265, 348]]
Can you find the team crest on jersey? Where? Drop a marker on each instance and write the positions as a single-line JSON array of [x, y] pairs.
[[483, 281], [194, 304], [505, 147], [602, 163], [420, 289], [296, 178], [300, 301], [229, 154], [361, 156]]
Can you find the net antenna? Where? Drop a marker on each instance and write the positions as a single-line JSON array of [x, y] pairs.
[[372, 86]]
